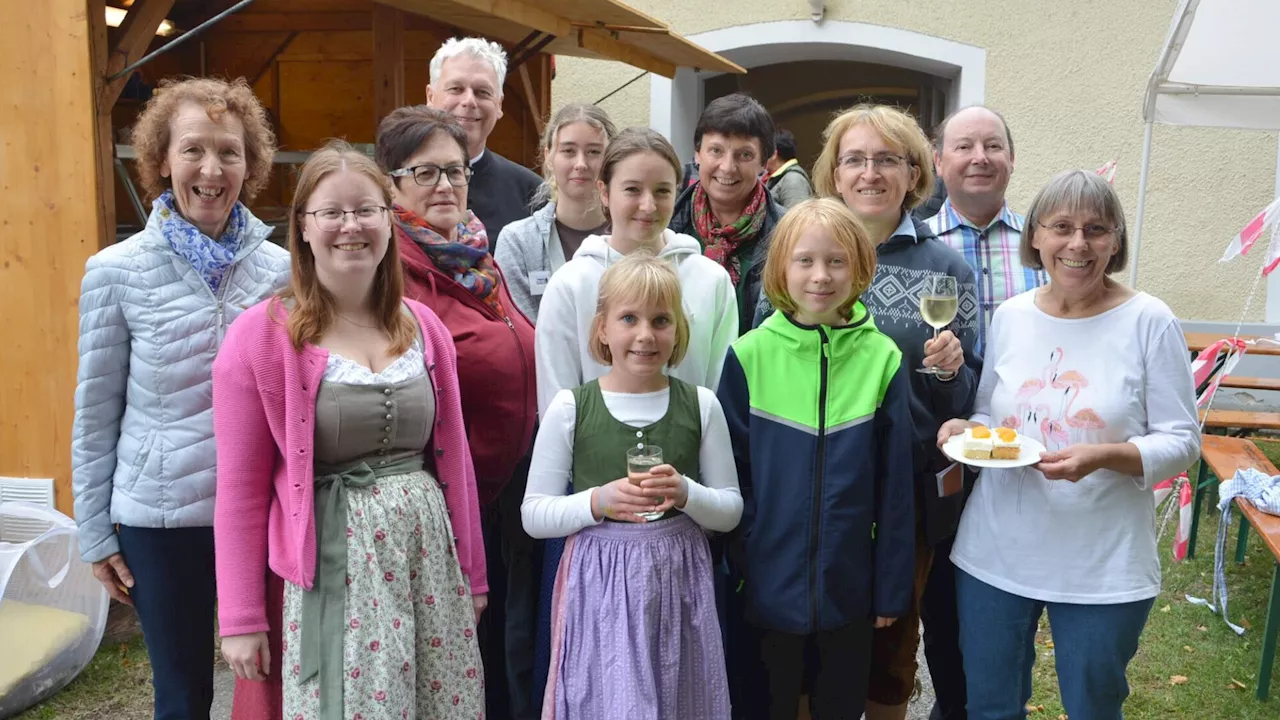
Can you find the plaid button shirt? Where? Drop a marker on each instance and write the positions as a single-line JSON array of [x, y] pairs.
[[992, 252]]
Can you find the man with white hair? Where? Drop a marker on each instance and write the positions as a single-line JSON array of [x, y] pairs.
[[467, 77]]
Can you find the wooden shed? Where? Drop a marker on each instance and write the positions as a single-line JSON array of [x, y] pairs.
[[72, 86]]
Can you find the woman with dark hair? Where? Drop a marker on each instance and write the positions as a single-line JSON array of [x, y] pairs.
[[448, 268], [729, 210]]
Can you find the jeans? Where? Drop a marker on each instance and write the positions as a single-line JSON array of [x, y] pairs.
[[1093, 645], [174, 595]]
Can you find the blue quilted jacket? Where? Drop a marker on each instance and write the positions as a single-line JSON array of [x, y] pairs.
[[142, 450]]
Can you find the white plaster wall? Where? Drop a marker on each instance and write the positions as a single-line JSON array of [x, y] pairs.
[[1070, 77]]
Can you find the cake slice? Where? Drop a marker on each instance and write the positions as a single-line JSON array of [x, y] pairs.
[[1006, 445], [977, 443]]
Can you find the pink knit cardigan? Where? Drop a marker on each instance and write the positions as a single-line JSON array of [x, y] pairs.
[[264, 409]]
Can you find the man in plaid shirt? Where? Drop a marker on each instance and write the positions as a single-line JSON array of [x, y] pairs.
[[973, 152]]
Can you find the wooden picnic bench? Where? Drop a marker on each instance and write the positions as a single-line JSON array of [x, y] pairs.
[[1246, 419], [1250, 383], [1224, 456]]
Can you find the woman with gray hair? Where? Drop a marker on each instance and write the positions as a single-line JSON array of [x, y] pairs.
[[1099, 374]]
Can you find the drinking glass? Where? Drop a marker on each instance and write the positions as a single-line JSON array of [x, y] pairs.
[[640, 460], [938, 303]]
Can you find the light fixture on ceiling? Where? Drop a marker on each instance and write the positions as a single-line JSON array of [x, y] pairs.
[[817, 8], [115, 16]]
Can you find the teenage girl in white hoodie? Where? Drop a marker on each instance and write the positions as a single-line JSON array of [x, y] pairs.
[[639, 181]]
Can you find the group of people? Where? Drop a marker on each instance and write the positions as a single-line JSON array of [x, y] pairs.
[[609, 443]]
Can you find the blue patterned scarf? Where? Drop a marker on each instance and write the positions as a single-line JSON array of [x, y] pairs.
[[210, 258]]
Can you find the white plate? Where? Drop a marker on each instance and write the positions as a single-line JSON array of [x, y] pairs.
[[1030, 455]]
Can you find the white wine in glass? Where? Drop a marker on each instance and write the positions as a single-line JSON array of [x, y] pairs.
[[939, 301]]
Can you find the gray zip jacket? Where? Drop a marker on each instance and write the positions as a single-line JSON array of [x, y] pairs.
[[142, 450], [525, 248]]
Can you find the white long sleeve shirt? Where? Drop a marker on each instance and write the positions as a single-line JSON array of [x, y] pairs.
[[569, 304], [1121, 376], [714, 501]]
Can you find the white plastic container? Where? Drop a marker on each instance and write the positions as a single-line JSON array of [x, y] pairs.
[[52, 609]]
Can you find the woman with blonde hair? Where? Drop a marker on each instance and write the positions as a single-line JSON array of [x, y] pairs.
[[343, 466], [153, 311], [634, 624], [531, 250]]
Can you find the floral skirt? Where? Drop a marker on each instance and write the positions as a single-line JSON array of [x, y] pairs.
[[409, 644]]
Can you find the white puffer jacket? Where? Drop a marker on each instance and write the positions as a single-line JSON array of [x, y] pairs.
[[142, 449]]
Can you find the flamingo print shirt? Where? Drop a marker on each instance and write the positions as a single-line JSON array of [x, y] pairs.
[[1121, 376]]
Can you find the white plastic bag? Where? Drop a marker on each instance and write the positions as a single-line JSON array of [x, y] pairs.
[[52, 609]]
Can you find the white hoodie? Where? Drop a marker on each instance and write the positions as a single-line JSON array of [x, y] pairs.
[[569, 304]]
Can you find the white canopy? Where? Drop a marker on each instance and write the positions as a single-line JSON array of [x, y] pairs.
[[1219, 67]]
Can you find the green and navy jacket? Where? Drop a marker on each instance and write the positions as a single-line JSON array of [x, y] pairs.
[[822, 436]]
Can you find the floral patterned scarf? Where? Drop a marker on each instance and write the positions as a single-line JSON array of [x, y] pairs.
[[466, 259], [209, 257], [723, 241]]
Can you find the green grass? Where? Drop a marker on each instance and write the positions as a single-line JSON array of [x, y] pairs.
[[1180, 639], [116, 685], [1187, 640]]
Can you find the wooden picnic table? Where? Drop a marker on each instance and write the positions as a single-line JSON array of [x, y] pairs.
[[1225, 455], [1197, 341]]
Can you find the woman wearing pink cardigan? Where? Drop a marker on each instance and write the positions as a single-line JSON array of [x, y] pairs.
[[343, 467]]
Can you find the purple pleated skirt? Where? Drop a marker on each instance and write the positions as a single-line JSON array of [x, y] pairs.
[[634, 630]]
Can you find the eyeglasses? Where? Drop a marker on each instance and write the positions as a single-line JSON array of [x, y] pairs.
[[883, 161], [429, 175], [332, 219], [1065, 230]]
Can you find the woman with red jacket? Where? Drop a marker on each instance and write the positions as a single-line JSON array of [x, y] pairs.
[[448, 268]]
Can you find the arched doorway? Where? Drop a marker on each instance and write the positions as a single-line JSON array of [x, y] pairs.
[[803, 70]]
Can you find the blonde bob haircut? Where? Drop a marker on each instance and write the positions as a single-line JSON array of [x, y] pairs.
[[643, 279], [897, 128], [847, 232]]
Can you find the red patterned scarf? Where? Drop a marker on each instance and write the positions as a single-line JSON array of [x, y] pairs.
[[722, 241], [466, 260]]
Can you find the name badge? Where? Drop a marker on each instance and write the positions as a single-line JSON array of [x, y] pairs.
[[951, 480], [538, 280]]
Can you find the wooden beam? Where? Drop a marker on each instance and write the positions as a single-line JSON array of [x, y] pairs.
[[602, 44], [49, 217], [136, 33], [266, 64], [532, 99], [535, 18], [251, 22], [388, 61], [104, 139]]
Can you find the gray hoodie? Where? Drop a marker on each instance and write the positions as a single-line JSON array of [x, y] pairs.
[[529, 251]]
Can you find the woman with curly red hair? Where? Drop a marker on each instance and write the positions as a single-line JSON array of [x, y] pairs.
[[153, 312]]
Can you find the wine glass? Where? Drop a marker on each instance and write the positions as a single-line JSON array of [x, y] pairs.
[[939, 301], [640, 460]]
